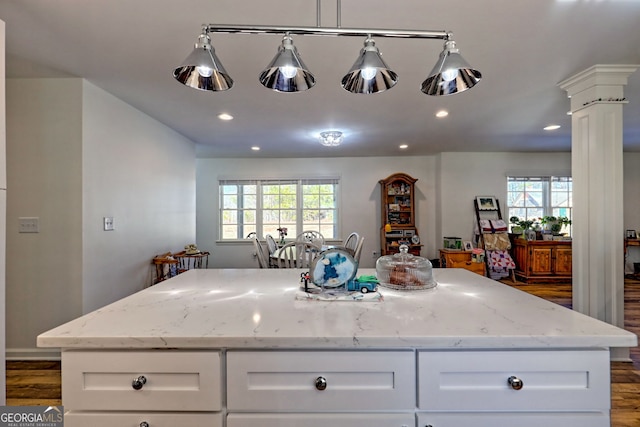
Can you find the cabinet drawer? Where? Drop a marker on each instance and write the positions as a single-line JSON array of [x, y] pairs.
[[520, 419], [286, 380], [321, 420], [175, 380], [134, 419], [478, 380], [476, 267]]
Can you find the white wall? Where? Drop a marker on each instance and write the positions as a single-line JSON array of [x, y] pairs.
[[3, 391], [142, 174], [360, 198], [76, 154], [632, 204], [44, 178], [464, 176]]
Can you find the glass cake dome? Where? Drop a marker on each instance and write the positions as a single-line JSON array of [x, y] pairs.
[[405, 271]]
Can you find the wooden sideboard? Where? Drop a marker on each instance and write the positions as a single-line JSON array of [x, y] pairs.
[[450, 258], [542, 259]]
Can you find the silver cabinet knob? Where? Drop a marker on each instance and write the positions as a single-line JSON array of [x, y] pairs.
[[139, 382], [321, 383], [515, 382], [144, 424]]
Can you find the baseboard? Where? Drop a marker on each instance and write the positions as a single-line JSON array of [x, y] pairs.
[[32, 354]]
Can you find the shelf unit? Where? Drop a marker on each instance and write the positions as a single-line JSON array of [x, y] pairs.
[[398, 225]]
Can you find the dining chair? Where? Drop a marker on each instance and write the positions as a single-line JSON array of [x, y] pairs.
[[314, 237], [351, 242], [358, 250], [272, 248], [297, 255], [262, 260]]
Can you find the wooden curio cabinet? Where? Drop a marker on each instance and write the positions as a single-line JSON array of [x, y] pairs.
[[398, 220]]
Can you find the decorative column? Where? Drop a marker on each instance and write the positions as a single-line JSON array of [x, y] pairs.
[[597, 100]]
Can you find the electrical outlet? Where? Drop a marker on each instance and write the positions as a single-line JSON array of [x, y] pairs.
[[29, 224], [375, 254], [108, 223]]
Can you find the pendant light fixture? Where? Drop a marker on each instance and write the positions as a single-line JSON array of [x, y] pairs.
[[451, 73], [369, 74], [286, 72], [202, 69]]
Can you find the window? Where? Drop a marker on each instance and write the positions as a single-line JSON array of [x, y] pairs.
[[263, 206], [531, 198]]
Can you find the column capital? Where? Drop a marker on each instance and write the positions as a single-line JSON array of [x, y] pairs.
[[603, 82]]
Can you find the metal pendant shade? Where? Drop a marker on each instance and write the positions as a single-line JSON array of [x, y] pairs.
[[286, 72], [451, 73], [202, 69], [369, 74]]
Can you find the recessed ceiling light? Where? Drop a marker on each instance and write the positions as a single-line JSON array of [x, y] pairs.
[[255, 148], [403, 146], [442, 113], [225, 116], [552, 127]]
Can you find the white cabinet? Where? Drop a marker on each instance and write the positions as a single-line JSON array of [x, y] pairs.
[[540, 380], [321, 420], [114, 388], [317, 388], [519, 419], [299, 381]]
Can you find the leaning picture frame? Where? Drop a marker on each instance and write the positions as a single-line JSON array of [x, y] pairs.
[[467, 245], [487, 203], [631, 234]]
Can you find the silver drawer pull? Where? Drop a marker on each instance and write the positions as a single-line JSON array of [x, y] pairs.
[[515, 383], [321, 383], [144, 424], [139, 382]]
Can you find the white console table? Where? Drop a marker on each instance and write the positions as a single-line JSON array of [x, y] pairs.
[[235, 348]]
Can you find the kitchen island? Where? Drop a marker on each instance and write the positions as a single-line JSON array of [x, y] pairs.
[[236, 348]]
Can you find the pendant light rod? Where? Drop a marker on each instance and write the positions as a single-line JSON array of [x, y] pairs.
[[327, 31]]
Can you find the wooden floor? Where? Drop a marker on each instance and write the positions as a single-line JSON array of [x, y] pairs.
[[38, 383]]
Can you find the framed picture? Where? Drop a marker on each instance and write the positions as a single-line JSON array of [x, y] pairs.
[[487, 203], [468, 246], [631, 234]]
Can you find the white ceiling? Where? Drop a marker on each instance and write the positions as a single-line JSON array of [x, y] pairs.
[[522, 47]]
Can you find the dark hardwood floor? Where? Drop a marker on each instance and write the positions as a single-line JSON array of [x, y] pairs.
[[38, 382]]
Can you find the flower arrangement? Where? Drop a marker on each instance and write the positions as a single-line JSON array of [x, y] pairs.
[[282, 231]]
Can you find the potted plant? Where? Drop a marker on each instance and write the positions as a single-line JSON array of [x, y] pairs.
[[554, 224], [521, 226], [516, 228]]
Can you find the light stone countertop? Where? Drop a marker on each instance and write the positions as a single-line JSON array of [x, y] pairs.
[[257, 308]]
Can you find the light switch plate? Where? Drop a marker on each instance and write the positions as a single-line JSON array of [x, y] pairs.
[[108, 223], [29, 224]]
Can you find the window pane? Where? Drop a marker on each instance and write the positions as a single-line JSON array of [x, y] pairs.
[[535, 197], [265, 206]]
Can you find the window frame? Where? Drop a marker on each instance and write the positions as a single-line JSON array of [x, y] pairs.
[[259, 210], [548, 207]]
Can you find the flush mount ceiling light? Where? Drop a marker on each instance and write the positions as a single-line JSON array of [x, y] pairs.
[[331, 138], [287, 73], [369, 74], [202, 69]]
